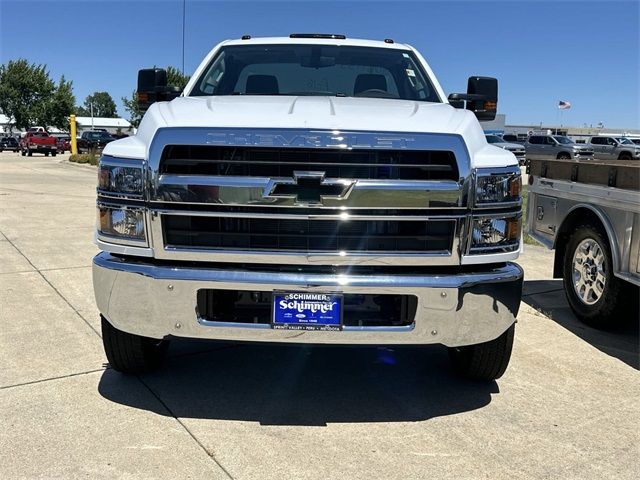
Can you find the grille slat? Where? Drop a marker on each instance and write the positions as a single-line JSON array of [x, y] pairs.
[[308, 235], [336, 163]]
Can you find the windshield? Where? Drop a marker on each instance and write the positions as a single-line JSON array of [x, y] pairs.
[[327, 70], [625, 141], [563, 140], [494, 139]]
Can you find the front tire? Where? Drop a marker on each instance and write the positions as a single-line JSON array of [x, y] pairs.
[[23, 152], [593, 291], [484, 361], [130, 353]]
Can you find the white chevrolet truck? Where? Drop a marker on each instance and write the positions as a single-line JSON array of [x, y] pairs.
[[310, 189]]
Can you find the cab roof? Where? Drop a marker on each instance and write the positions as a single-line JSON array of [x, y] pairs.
[[355, 42]]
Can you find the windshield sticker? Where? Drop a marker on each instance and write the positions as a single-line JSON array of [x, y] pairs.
[[411, 73], [406, 55]]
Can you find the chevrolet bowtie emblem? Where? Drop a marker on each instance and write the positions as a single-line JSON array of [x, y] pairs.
[[309, 188]]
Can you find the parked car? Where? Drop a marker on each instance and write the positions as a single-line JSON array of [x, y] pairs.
[[635, 140], [64, 144], [40, 142], [548, 147], [515, 148], [94, 140], [9, 143], [614, 148]]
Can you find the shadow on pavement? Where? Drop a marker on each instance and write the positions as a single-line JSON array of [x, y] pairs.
[[548, 297], [304, 385]]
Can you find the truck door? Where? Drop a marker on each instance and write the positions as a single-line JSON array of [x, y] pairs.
[[535, 147], [551, 148], [610, 149], [596, 143]]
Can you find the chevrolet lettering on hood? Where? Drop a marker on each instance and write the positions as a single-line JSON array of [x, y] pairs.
[[334, 139]]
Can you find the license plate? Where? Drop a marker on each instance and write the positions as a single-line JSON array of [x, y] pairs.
[[307, 311]]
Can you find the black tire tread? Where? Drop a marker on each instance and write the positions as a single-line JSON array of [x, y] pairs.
[[610, 312], [130, 353], [484, 361]]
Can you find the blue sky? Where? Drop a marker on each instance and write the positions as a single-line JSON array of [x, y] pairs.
[[585, 52]]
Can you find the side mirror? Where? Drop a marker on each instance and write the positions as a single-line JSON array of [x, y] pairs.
[[481, 97], [152, 87]]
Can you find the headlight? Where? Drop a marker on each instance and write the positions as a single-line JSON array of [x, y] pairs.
[[498, 187], [120, 177], [496, 235], [127, 223]]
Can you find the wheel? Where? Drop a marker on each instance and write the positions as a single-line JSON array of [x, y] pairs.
[[592, 290], [564, 156], [29, 152], [53, 154], [46, 154], [625, 156], [23, 153], [484, 361], [129, 353]]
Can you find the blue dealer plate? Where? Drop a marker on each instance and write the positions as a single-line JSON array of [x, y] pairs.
[[307, 311]]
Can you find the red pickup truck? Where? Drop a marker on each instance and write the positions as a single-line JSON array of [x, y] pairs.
[[40, 142]]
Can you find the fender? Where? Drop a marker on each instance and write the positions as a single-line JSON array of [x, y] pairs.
[[611, 234]]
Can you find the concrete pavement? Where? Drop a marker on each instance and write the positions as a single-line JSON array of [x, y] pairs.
[[566, 408]]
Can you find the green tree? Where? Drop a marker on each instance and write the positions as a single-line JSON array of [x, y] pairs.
[[30, 97], [103, 106], [61, 104], [175, 78]]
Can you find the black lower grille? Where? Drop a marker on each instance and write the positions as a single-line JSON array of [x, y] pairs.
[[359, 310], [308, 235], [335, 163]]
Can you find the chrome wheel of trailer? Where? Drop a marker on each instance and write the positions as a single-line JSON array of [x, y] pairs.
[[594, 293], [589, 271]]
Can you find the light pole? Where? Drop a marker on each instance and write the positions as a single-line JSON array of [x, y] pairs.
[[91, 108]]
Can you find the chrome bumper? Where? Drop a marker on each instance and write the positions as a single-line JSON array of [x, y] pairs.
[[156, 300]]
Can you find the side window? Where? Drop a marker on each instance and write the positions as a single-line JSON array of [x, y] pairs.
[[596, 141], [550, 141], [611, 141], [534, 140], [213, 77]]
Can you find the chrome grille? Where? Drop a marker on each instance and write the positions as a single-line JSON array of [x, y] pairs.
[[369, 164], [236, 195], [304, 235]]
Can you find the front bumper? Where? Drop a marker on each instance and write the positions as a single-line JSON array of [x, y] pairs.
[[158, 300]]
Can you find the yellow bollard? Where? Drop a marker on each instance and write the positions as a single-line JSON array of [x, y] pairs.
[[72, 134]]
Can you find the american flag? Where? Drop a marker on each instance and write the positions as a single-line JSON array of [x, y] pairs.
[[562, 105]]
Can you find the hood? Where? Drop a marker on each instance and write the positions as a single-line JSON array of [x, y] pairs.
[[317, 113], [331, 113]]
